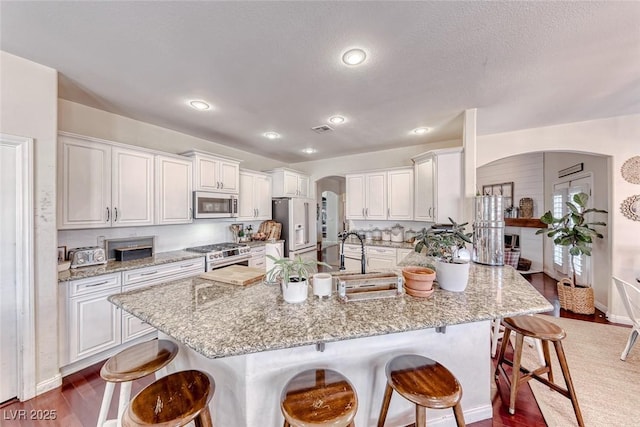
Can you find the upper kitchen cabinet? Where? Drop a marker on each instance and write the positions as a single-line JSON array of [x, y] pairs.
[[367, 195], [254, 200], [102, 185], [400, 194], [174, 190], [214, 173], [438, 185], [289, 183]]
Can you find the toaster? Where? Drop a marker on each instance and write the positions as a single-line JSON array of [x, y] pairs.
[[89, 255]]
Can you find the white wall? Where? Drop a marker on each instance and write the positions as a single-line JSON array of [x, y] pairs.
[[617, 137], [597, 167], [28, 107]]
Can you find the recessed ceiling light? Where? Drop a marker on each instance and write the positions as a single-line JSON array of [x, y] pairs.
[[337, 120], [421, 130], [309, 150], [199, 105], [354, 57], [271, 135]]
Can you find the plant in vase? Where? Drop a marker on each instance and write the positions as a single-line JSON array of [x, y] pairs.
[[445, 244], [293, 274], [574, 231]]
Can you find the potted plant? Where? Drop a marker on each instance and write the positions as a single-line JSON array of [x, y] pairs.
[[445, 243], [574, 231], [293, 275]]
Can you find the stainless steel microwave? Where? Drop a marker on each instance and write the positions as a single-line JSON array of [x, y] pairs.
[[214, 205]]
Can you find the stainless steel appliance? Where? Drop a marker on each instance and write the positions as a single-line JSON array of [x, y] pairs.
[[298, 219], [223, 254], [214, 205], [488, 230], [86, 256]]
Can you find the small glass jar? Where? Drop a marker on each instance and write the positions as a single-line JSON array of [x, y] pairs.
[[377, 234], [409, 236], [386, 235]]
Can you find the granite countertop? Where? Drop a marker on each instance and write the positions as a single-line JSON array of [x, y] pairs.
[[219, 320], [115, 266], [254, 243], [380, 243]]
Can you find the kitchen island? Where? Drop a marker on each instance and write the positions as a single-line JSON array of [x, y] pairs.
[[252, 342]]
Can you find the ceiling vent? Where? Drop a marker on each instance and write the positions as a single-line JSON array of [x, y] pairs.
[[322, 129]]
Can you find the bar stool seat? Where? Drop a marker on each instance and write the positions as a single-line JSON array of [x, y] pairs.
[[174, 400], [535, 327], [424, 382], [318, 397], [131, 364]]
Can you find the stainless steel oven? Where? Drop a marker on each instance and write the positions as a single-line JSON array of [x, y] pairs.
[[223, 254], [214, 205]]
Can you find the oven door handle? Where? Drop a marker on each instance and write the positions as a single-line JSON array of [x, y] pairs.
[[238, 260]]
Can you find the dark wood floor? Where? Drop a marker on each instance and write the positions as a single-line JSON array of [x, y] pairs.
[[77, 402]]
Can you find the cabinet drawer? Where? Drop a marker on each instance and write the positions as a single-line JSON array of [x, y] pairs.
[[352, 251], [132, 327], [258, 262], [258, 251], [164, 271], [95, 284], [381, 251]]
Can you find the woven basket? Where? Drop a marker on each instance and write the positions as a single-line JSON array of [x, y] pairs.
[[578, 299]]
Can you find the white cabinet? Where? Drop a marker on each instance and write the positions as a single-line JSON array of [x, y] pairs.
[[217, 174], [367, 195], [380, 257], [258, 257], [174, 190], [400, 194], [254, 200], [92, 322], [289, 183], [100, 185], [438, 185]]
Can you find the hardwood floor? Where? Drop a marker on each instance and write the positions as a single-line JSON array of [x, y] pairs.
[[77, 402]]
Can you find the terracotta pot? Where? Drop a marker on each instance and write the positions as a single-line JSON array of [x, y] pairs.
[[418, 281]]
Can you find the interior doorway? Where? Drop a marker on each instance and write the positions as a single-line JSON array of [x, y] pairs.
[[331, 195]]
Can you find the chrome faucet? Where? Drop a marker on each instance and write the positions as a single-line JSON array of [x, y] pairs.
[[344, 236]]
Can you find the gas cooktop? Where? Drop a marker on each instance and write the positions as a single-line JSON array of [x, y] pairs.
[[216, 247]]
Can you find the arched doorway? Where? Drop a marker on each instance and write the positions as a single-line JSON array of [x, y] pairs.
[[330, 195]]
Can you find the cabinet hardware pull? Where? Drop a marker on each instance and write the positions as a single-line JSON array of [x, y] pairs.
[[388, 212], [115, 210], [191, 213], [108, 214], [188, 265], [96, 284], [222, 185], [362, 211], [149, 273], [366, 212]]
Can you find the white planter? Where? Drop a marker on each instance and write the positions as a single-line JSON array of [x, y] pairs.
[[451, 276], [322, 284], [294, 291]]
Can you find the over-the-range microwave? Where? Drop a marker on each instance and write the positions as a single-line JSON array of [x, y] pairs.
[[214, 205]]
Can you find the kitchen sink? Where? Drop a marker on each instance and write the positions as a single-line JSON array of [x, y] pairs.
[[358, 287]]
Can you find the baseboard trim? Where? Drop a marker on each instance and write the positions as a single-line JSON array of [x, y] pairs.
[[50, 384], [618, 319]]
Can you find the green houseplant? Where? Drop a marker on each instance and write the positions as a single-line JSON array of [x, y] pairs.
[[443, 244], [293, 274], [574, 231]]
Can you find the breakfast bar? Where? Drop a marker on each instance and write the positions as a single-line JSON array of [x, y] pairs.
[[252, 342]]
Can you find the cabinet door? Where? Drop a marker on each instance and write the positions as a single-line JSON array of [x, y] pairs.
[[303, 186], [448, 186], [94, 325], [246, 207], [355, 187], [132, 327], [376, 195], [424, 206], [132, 188], [380, 261], [290, 184], [173, 191], [207, 174], [229, 176], [400, 193], [84, 184], [262, 197]]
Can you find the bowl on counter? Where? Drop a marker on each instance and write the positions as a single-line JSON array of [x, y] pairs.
[[418, 281]]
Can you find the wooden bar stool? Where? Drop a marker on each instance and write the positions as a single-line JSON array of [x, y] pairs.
[[318, 397], [174, 400], [531, 326], [424, 382], [131, 364]]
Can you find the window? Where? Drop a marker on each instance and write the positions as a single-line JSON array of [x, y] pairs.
[[562, 193]]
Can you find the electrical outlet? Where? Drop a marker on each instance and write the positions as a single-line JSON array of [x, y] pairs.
[[101, 241]]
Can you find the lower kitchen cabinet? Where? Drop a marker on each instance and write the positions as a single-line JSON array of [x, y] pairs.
[[380, 257], [92, 328], [258, 257]]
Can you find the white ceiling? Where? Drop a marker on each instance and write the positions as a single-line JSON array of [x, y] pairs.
[[276, 66]]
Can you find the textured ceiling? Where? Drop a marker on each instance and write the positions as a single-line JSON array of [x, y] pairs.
[[276, 66]]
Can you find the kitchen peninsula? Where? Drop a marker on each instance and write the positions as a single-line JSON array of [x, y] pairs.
[[252, 342]]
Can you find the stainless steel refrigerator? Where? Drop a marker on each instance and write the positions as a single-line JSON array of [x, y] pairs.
[[298, 219]]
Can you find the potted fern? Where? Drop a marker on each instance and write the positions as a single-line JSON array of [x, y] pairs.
[[577, 233], [445, 244], [293, 275]]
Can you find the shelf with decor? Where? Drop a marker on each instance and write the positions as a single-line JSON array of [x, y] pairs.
[[524, 222]]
